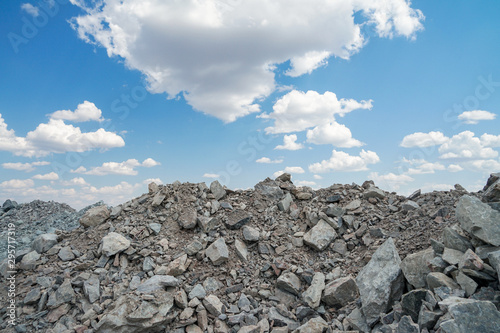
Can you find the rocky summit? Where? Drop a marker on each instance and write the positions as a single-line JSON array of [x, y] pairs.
[[276, 258]]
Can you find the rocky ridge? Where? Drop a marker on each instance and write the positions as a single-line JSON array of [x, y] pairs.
[[278, 258]]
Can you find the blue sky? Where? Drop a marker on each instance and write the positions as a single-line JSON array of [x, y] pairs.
[[98, 101]]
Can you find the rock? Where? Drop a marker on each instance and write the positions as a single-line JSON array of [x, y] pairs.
[[451, 256], [156, 227], [29, 260], [479, 219], [213, 305], [95, 216], [437, 279], [470, 260], [380, 282], [198, 292], [249, 329], [304, 195], [194, 247], [415, 267], [114, 243], [158, 199], [217, 252], [217, 190], [453, 240], [358, 321], [340, 292], [334, 211], [9, 205], [63, 294], [44, 242], [237, 218], [374, 192], [188, 218], [285, 177], [269, 189], [281, 320], [492, 188], [406, 325], [178, 266], [241, 250], [65, 254], [467, 284], [284, 204], [289, 282], [409, 206], [157, 282], [353, 205], [32, 296], [207, 224], [312, 296], [314, 325], [415, 195], [471, 316], [412, 302], [494, 258], [250, 234], [333, 198], [320, 236], [91, 288]]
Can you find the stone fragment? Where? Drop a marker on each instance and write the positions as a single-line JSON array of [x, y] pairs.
[[65, 254], [188, 218], [411, 303], [156, 227], [374, 192], [217, 190], [320, 236], [437, 279], [470, 260], [114, 243], [340, 292], [451, 256], [250, 234], [415, 267], [284, 204], [29, 260], [63, 294], [380, 282], [270, 189], [198, 291], [32, 296], [241, 250], [91, 288], [314, 325], [453, 240], [44, 242], [471, 316], [218, 252], [157, 282], [237, 218], [406, 325], [158, 198], [213, 305], [95, 216], [312, 296], [410, 205], [289, 282], [178, 266], [208, 224], [467, 284], [358, 321], [304, 195], [494, 258], [479, 219]]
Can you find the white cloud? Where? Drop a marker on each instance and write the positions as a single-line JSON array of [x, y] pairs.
[[465, 145], [28, 167], [56, 137], [426, 168], [294, 170], [127, 168], [211, 175], [474, 117], [335, 134], [436, 187], [306, 183], [85, 111], [153, 180], [485, 166], [220, 55], [278, 173], [30, 9], [317, 177], [390, 181], [454, 168], [47, 176], [489, 140], [17, 184], [342, 161], [78, 181], [289, 143], [267, 160], [298, 111], [420, 139]]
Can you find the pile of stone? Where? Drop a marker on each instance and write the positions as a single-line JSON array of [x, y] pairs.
[[277, 258]]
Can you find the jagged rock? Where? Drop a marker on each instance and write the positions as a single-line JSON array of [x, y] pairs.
[[411, 303], [178, 266], [114, 243], [281, 320], [91, 288], [466, 283], [453, 240], [269, 189], [29, 260], [194, 247], [492, 188], [437, 279], [312, 296], [217, 190], [314, 325], [32, 296], [494, 258], [340, 292], [320, 236], [213, 305], [415, 267], [374, 192], [470, 316], [208, 223], [95, 216], [451, 256], [188, 218], [249, 329], [218, 252], [353, 205], [380, 282], [63, 294], [479, 219], [406, 325], [285, 177], [157, 282], [66, 254], [470, 260], [237, 218], [284, 204], [241, 250], [158, 198], [250, 234], [8, 205], [156, 227], [44, 242], [410, 205], [358, 321], [289, 282], [197, 292]]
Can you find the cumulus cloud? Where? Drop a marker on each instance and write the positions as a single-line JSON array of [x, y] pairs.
[[56, 137], [342, 161], [78, 181], [267, 160], [221, 56], [306, 183], [390, 181], [17, 184], [489, 140], [420, 139], [425, 167], [454, 168], [294, 169], [486, 166], [30, 9], [210, 175], [126, 168], [47, 176], [474, 117], [335, 134], [85, 111], [289, 143], [153, 180], [465, 145], [28, 167], [317, 177], [298, 111]]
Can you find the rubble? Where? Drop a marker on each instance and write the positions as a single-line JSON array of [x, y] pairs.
[[196, 258]]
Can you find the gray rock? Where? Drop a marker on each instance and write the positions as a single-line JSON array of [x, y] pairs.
[[92, 289], [289, 282], [32, 296], [451, 256], [63, 294], [479, 219], [340, 292], [237, 219], [492, 188], [415, 267], [410, 205], [471, 316], [374, 192], [95, 216], [177, 266], [334, 211], [29, 261], [437, 279], [188, 218], [312, 296], [467, 284], [380, 282], [355, 204], [208, 224], [241, 250], [269, 189], [411, 302], [113, 243], [284, 204], [226, 205], [158, 199], [218, 252], [157, 282], [494, 258], [406, 325], [320, 236], [198, 291], [156, 227], [314, 325], [217, 190], [148, 264], [213, 305], [358, 321], [66, 254], [194, 247], [44, 242], [116, 211], [281, 320], [453, 240], [333, 198], [250, 234], [249, 329], [285, 177]]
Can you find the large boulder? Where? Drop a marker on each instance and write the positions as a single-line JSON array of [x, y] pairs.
[[479, 219], [380, 282], [44, 242], [470, 316], [95, 216], [416, 267]]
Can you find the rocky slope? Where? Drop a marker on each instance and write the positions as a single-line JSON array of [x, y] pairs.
[[278, 258]]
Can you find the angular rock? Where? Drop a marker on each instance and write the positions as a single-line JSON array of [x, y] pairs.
[[412, 302], [453, 240], [156, 227], [114, 243], [410, 205], [63, 294], [437, 279], [208, 223], [415, 267], [32, 296], [284, 204], [188, 218], [494, 258], [289, 282], [157, 282], [467, 284], [213, 305], [237, 218], [95, 216], [380, 282], [241, 250], [471, 316], [218, 252], [178, 266], [374, 192], [406, 325], [217, 190], [91, 288], [44, 242], [320, 236], [269, 189], [158, 198], [340, 292], [479, 219], [250, 234], [314, 325], [197, 292], [358, 321], [312, 296], [451, 256], [65, 254]]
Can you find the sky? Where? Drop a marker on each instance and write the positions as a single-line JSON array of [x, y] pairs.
[[98, 99]]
